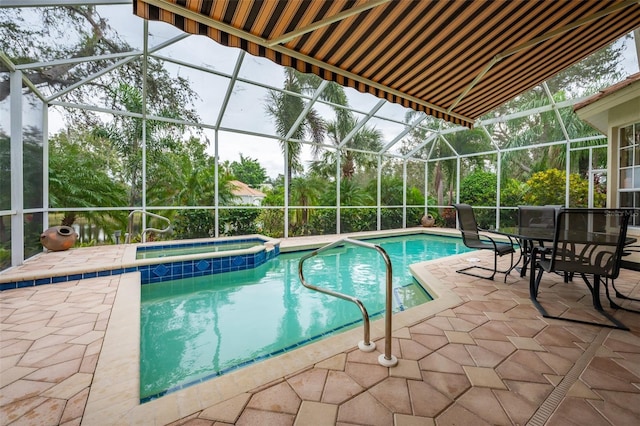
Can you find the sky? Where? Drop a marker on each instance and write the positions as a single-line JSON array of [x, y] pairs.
[[246, 109]]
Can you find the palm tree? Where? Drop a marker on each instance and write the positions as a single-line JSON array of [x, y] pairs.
[[305, 191], [285, 108], [351, 160], [79, 176], [351, 194]]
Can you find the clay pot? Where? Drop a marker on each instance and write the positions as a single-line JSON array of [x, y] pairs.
[[427, 221], [58, 238]]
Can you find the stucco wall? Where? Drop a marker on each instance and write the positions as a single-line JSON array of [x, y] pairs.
[[619, 116]]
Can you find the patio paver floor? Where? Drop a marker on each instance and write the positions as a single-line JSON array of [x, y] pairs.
[[489, 360]]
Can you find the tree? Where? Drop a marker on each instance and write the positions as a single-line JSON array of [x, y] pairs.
[[186, 176], [580, 80], [442, 150], [239, 221], [305, 192], [352, 158], [76, 32], [249, 171], [391, 195], [79, 176], [273, 219], [285, 108], [80, 31], [126, 134]]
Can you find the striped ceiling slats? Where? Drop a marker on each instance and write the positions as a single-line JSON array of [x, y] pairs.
[[453, 59]]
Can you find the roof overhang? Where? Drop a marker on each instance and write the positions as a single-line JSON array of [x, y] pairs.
[[453, 59], [595, 109]]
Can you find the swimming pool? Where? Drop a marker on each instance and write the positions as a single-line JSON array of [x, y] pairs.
[[198, 328]]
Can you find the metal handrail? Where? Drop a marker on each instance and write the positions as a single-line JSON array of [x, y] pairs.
[[144, 231], [386, 359]]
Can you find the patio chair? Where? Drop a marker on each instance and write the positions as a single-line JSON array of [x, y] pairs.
[[625, 264], [471, 237], [589, 243], [537, 216]]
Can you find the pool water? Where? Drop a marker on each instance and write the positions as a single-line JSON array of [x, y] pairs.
[[180, 250], [198, 328]]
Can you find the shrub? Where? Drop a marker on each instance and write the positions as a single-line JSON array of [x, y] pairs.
[[548, 187], [479, 189], [512, 192], [239, 221], [194, 224]]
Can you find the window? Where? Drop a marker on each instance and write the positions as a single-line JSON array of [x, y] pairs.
[[629, 183]]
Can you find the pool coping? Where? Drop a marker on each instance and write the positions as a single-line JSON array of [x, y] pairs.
[[128, 262], [114, 392]]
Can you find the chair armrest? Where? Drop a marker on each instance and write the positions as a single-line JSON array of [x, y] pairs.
[[486, 237]]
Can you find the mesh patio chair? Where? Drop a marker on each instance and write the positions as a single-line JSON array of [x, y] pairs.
[[589, 243], [534, 217], [537, 216], [471, 237], [625, 264]]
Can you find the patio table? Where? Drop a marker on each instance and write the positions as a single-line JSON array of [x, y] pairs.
[[527, 237]]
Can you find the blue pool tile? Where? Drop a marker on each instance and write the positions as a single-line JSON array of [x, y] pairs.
[[244, 363], [262, 357], [176, 270], [290, 347], [188, 269], [75, 277], [28, 283], [131, 269], [104, 273], [160, 270], [155, 279], [89, 275], [216, 266], [41, 281], [203, 265], [117, 271], [8, 286], [62, 279]]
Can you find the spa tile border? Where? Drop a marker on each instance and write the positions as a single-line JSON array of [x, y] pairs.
[[163, 271]]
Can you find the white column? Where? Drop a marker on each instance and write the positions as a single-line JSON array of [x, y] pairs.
[[17, 177]]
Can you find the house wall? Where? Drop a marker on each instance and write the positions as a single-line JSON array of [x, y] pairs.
[[618, 116]]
